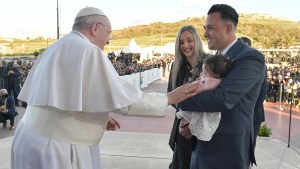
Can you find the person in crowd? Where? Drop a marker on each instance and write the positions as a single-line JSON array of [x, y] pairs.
[[70, 91], [231, 146], [259, 112], [247, 41], [204, 125], [189, 56], [8, 110], [275, 88], [164, 66], [291, 87], [270, 88], [11, 75]]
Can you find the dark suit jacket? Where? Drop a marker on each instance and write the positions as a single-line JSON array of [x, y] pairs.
[[259, 113], [231, 146]]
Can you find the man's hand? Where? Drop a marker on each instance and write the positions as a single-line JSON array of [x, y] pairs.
[[112, 124], [184, 129], [182, 93]]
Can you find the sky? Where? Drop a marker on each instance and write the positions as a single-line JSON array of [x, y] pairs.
[[36, 18]]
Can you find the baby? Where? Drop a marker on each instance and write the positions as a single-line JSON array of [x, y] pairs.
[[203, 125]]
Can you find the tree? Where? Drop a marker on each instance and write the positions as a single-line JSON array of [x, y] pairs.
[[288, 41], [276, 42], [266, 43]]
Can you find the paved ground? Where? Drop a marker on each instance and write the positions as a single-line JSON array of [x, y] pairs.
[[142, 143]]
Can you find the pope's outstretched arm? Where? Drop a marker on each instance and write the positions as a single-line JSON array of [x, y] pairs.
[[156, 104]]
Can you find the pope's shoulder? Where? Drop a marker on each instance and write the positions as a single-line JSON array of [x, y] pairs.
[[74, 44]]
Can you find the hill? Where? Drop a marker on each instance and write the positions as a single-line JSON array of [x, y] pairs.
[[264, 30]]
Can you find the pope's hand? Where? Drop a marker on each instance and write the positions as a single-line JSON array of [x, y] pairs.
[[182, 93], [112, 124]]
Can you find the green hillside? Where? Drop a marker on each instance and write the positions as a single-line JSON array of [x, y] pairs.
[[265, 31]]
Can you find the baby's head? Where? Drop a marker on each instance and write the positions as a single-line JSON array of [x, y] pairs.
[[215, 66]]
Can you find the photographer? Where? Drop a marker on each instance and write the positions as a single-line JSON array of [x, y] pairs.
[[8, 111], [11, 75]]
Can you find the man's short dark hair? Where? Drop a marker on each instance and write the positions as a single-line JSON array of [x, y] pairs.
[[227, 12]]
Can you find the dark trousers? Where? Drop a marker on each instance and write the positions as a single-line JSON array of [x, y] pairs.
[[15, 94], [8, 116], [182, 153], [256, 128]]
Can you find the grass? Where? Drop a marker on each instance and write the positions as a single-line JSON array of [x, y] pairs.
[[264, 131]]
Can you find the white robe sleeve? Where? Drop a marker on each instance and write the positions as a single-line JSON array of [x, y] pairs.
[[149, 105]]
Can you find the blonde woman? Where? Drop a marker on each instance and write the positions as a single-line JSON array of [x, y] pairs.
[[189, 56]]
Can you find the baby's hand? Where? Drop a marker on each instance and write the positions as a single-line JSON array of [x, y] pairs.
[[200, 85], [207, 83]]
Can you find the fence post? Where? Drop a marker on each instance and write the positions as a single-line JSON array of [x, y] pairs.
[[280, 97]]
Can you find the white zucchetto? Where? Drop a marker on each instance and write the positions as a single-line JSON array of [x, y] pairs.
[[89, 11]]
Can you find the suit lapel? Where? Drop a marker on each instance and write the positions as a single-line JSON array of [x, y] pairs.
[[231, 54]]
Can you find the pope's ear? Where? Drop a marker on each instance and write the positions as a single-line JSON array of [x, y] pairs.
[[93, 29]]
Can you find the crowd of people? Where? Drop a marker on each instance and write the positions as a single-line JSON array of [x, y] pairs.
[[284, 84], [140, 66], [135, 66], [13, 75]]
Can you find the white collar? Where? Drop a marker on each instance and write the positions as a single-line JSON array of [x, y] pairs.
[[81, 34], [228, 47]]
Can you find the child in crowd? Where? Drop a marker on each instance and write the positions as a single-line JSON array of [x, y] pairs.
[[203, 125]]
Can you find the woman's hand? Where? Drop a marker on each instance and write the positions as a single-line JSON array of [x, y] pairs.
[[112, 124], [182, 93], [184, 129]]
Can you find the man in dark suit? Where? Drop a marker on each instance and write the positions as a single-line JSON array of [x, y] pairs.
[[231, 147]]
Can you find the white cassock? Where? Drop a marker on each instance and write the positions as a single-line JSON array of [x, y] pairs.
[[70, 91]]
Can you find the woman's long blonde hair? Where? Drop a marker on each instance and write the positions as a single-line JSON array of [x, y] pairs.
[[180, 59]]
